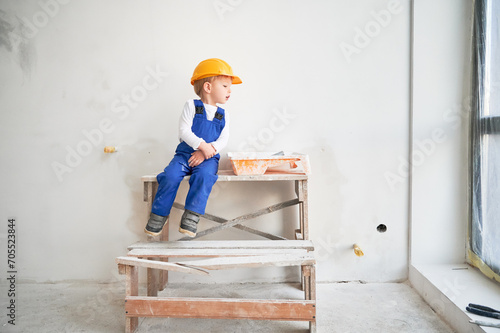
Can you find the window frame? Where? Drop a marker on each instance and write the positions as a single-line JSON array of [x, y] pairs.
[[480, 126]]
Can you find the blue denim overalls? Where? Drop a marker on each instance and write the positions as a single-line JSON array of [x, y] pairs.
[[203, 176]]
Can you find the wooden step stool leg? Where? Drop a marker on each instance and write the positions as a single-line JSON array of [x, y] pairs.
[[152, 275], [306, 274], [312, 295], [309, 273], [131, 289]]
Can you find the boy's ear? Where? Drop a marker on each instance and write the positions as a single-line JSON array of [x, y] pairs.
[[207, 87]]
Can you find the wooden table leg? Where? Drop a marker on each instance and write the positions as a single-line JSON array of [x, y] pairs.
[[305, 209], [163, 274], [302, 195], [299, 233], [303, 231]]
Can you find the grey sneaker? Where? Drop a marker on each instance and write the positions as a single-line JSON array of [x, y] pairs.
[[155, 224], [189, 223]]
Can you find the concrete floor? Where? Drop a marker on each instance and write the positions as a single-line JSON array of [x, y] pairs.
[[342, 308]]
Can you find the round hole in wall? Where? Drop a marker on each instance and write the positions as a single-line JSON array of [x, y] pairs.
[[381, 228]]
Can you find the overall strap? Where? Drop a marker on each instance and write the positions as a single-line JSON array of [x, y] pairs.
[[198, 106], [219, 114]]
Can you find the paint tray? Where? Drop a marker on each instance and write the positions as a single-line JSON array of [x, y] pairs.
[[258, 163]]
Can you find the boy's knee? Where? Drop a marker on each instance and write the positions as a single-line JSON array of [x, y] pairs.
[[205, 176]]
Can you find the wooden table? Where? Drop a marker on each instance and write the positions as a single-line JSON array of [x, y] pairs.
[[300, 180]]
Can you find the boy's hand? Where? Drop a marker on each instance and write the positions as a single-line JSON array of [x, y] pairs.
[[207, 149], [196, 158]]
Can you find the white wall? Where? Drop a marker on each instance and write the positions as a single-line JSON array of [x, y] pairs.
[[441, 95], [338, 69]]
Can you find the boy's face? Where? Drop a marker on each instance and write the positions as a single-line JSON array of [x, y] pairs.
[[220, 89]]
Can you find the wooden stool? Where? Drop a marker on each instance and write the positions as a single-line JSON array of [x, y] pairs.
[[217, 255]]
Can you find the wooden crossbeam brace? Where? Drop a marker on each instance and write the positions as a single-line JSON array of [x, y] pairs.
[[185, 268], [220, 308], [243, 218], [218, 219]]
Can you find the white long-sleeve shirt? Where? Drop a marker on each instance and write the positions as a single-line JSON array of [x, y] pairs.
[[186, 122]]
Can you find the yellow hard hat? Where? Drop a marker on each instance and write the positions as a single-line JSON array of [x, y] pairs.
[[213, 67]]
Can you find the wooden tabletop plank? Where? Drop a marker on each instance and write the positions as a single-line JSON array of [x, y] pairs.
[[235, 244], [228, 176], [158, 252]]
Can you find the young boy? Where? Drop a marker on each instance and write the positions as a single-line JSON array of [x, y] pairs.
[[203, 132]]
